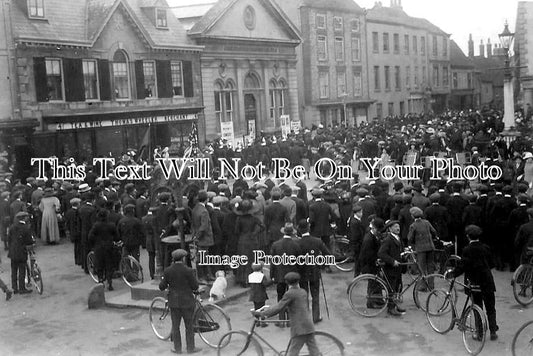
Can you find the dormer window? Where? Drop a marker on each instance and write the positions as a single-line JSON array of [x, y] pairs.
[[36, 8], [161, 18]]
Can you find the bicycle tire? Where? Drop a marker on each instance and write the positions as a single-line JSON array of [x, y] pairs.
[[239, 343], [473, 320], [211, 322], [440, 311], [91, 266], [37, 278], [363, 303], [522, 344], [343, 261], [131, 271], [160, 319], [422, 288], [522, 281], [328, 345]]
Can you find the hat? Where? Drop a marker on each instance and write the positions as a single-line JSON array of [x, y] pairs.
[[389, 223], [528, 155], [416, 212], [356, 208], [292, 277], [219, 200], [74, 201], [129, 206], [523, 198], [211, 195], [473, 231], [317, 192], [84, 188], [482, 188], [507, 189], [288, 229], [435, 197], [378, 223], [243, 207], [417, 186], [303, 224], [21, 215], [259, 185], [295, 188], [30, 180], [257, 267], [153, 208], [177, 255], [4, 194], [398, 185], [164, 197], [48, 192], [222, 186], [362, 192]]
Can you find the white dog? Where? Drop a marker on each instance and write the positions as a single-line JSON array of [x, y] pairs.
[[218, 290]]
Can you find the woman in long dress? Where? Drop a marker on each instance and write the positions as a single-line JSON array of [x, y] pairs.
[[49, 207]]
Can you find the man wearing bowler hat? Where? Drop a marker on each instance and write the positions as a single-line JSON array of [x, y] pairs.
[[181, 284]]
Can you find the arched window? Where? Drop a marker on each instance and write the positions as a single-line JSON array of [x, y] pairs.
[[224, 100], [121, 75], [277, 95]]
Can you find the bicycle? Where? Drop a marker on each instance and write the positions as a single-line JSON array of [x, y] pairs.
[[340, 248], [128, 267], [240, 342], [33, 271], [209, 321], [522, 281], [441, 313], [523, 340], [368, 294]]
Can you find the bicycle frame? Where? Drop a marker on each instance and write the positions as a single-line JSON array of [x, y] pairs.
[[468, 291], [383, 276], [253, 333]]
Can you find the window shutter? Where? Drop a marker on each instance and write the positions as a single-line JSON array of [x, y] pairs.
[[188, 89], [104, 79], [164, 79], [39, 74], [139, 77], [73, 78]]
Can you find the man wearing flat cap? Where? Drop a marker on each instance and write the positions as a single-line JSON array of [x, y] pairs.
[[438, 216], [203, 232], [390, 253], [276, 215], [321, 214], [356, 233], [20, 239], [5, 217], [302, 327], [73, 228], [181, 284]]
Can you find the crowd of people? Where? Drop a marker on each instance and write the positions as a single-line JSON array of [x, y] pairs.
[[379, 217]]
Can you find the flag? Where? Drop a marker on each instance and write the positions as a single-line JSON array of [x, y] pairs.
[[192, 150], [145, 144]]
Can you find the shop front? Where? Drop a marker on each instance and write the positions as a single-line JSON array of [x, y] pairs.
[[111, 134]]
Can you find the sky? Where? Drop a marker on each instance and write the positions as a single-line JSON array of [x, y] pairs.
[[482, 18]]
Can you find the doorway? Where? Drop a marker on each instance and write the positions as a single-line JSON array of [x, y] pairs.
[[250, 113]]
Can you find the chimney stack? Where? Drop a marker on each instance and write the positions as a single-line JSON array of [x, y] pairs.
[[396, 4], [481, 49], [489, 48], [470, 47]]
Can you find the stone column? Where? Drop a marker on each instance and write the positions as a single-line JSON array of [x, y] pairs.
[[508, 103]]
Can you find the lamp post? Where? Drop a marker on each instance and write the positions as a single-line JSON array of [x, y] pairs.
[[344, 95], [506, 38]]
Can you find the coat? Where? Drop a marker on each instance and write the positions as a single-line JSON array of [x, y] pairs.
[[295, 299], [247, 231], [181, 282], [369, 253], [291, 248], [102, 236], [437, 215], [390, 251], [313, 246], [73, 224], [131, 231], [320, 216], [276, 215], [290, 205], [523, 239], [49, 226], [201, 226], [152, 240], [87, 214], [420, 235], [476, 263], [19, 236]]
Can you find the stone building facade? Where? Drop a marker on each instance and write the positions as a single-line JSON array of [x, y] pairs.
[[248, 67], [332, 61], [408, 62], [464, 94], [111, 76], [523, 52]]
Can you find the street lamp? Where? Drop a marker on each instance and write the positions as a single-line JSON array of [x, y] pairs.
[[344, 95], [506, 38]]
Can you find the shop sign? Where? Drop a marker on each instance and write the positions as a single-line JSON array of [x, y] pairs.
[[142, 120], [226, 129]]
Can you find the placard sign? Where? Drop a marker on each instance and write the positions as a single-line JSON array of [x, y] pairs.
[[296, 126], [285, 125], [251, 129], [226, 129]]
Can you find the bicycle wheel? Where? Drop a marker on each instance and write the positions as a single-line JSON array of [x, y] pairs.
[[131, 270], [91, 266], [522, 283], [440, 311], [239, 343], [211, 322], [522, 344], [343, 260], [37, 278], [426, 284], [160, 319], [328, 345], [368, 295], [474, 329]]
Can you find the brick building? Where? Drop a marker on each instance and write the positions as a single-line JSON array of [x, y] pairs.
[[332, 61], [463, 89], [112, 75], [409, 62]]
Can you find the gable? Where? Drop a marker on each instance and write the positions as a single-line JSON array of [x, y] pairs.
[[252, 19]]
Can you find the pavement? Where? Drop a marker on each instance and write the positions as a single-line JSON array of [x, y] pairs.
[[58, 322]]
